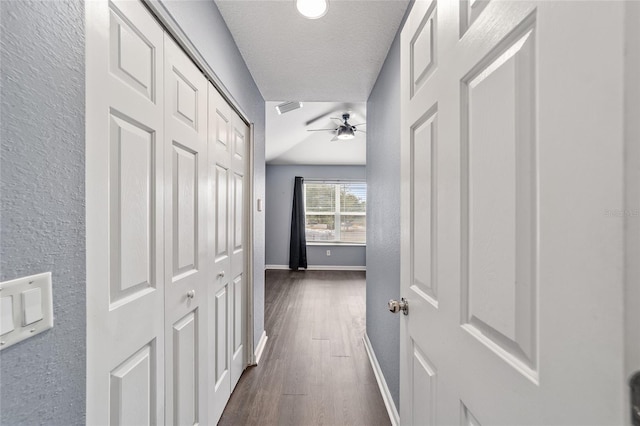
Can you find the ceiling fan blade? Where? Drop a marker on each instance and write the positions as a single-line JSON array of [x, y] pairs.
[[317, 117], [335, 138], [342, 107], [359, 124], [360, 131]]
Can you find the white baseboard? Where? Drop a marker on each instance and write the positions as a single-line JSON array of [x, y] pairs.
[[382, 383], [262, 343], [321, 267]]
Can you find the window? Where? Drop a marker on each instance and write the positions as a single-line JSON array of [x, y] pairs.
[[336, 211]]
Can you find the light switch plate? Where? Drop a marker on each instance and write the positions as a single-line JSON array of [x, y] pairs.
[[28, 318]]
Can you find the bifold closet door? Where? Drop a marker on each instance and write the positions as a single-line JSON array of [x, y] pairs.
[[125, 245], [185, 238], [227, 153], [166, 291]]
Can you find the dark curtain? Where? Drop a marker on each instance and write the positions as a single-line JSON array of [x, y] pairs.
[[298, 244]]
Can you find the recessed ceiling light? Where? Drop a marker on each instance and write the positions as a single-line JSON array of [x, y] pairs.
[[312, 9]]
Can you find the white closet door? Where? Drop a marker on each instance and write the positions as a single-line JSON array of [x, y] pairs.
[[125, 157], [185, 238], [228, 138], [220, 297]]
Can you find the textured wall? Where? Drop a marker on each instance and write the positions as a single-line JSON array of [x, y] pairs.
[[42, 225], [383, 215], [278, 215], [203, 24]]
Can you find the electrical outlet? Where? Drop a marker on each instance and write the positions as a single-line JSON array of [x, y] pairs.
[[328, 252]]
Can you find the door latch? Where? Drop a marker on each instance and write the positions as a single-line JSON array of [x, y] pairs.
[[634, 383]]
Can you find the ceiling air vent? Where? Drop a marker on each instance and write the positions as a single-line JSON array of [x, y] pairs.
[[288, 106]]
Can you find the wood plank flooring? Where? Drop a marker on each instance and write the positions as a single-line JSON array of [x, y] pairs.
[[315, 369]]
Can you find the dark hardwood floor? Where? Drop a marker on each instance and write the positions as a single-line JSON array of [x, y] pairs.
[[314, 369]]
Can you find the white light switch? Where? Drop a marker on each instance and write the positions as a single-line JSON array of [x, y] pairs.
[[26, 309], [6, 315], [31, 306]]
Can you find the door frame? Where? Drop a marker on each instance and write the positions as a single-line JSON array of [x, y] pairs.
[[171, 26]]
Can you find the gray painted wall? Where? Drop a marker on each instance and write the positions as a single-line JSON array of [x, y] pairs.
[[203, 24], [278, 216], [383, 217], [42, 226]]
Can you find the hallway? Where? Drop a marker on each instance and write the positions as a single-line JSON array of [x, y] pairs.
[[314, 369]]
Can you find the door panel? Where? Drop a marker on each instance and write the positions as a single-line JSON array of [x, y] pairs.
[[424, 198], [238, 210], [125, 276], [466, 416], [185, 203], [424, 389], [132, 53], [499, 214], [186, 193], [185, 370], [512, 291], [221, 349], [237, 314], [239, 147], [221, 182], [132, 198], [423, 46], [237, 330], [133, 390]]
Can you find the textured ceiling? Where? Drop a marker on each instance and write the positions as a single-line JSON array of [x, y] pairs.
[[289, 142], [335, 58]]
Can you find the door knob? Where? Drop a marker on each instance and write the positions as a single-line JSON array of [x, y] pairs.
[[221, 274], [191, 294], [402, 305]]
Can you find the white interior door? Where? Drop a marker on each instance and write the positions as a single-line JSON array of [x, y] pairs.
[[125, 248], [227, 152], [185, 238], [512, 153]]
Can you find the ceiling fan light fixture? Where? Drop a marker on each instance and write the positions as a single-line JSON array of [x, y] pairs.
[[312, 9], [345, 133]]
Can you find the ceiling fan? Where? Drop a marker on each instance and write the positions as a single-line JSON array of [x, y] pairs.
[[344, 130]]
